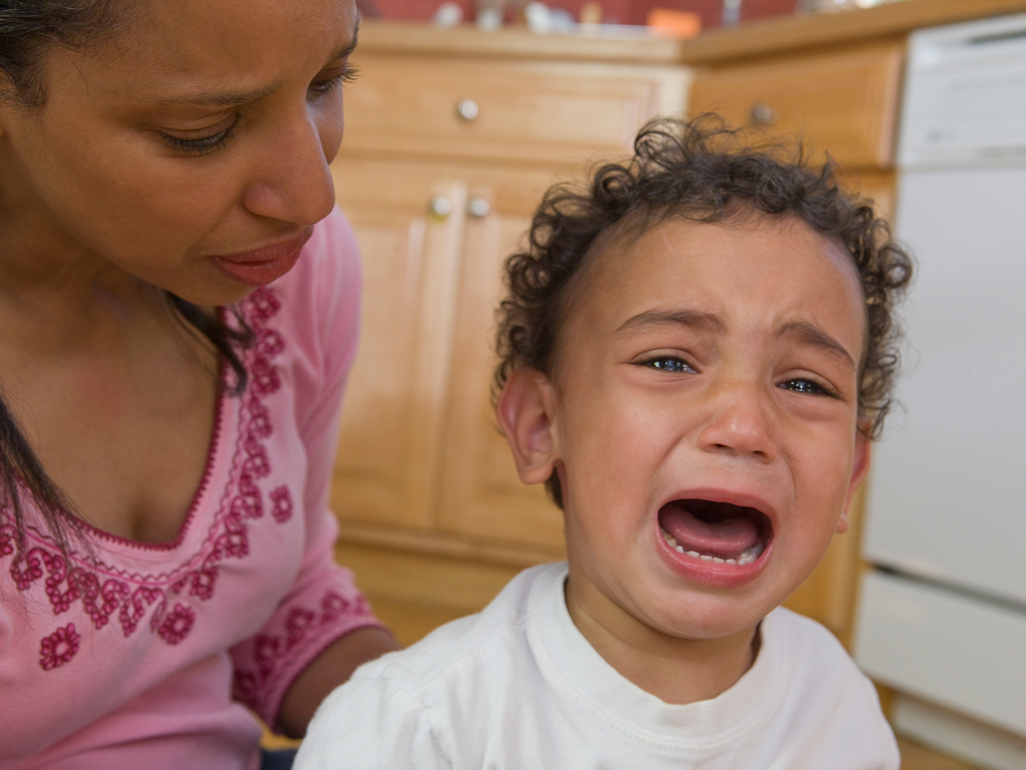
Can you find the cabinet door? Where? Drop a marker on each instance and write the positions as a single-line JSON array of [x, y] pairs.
[[388, 464], [842, 102], [481, 494]]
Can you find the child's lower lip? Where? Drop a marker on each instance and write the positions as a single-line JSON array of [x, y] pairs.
[[260, 267], [710, 573]]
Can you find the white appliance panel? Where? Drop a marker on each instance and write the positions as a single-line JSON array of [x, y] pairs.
[[947, 492], [977, 670]]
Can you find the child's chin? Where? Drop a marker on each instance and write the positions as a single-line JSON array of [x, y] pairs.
[[708, 618]]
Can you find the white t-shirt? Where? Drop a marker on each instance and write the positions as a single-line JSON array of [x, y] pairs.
[[518, 686]]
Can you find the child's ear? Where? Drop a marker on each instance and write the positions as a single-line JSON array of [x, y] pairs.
[[859, 468], [525, 410]]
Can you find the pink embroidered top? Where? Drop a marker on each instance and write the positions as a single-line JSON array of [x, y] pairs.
[[142, 656]]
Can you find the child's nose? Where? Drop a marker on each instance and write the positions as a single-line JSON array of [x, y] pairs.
[[737, 421]]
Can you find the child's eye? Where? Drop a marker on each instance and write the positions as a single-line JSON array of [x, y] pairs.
[[669, 364], [801, 385], [203, 144]]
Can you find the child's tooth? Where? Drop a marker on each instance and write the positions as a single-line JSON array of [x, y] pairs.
[[694, 554], [705, 557], [718, 560], [679, 548], [731, 561]]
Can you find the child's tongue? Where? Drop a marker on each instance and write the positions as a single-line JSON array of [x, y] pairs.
[[725, 538]]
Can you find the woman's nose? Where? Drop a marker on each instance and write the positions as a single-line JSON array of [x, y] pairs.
[[291, 181], [737, 422]]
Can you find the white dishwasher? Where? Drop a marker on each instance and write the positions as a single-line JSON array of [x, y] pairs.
[[942, 617]]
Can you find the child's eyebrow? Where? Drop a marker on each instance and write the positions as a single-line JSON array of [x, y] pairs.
[[689, 318], [808, 334]]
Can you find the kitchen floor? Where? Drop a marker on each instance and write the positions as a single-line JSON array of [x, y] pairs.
[[916, 757]]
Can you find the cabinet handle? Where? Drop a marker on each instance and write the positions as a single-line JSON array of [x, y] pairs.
[[762, 114], [466, 109], [479, 207], [440, 206]]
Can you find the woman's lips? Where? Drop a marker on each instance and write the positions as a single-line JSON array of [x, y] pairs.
[[260, 267]]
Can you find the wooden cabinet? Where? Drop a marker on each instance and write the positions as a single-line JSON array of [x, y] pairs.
[[443, 163], [418, 438], [843, 103]]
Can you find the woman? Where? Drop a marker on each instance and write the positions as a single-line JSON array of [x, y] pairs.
[[170, 383]]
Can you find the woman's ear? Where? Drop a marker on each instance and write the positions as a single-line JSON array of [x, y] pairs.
[[525, 410], [859, 468]]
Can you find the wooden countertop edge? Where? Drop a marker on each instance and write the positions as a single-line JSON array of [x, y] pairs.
[[413, 38], [775, 35], [783, 34]]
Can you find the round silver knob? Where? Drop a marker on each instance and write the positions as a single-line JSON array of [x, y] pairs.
[[440, 206], [762, 114], [466, 109], [479, 207]]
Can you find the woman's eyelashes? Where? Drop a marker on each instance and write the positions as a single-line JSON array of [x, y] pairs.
[[203, 144], [327, 84]]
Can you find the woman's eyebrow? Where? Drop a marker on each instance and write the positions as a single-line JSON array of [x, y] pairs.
[[226, 97], [349, 47], [223, 97]]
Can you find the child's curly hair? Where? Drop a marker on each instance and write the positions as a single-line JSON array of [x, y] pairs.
[[704, 172]]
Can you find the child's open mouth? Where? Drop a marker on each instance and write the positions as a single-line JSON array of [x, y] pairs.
[[715, 532]]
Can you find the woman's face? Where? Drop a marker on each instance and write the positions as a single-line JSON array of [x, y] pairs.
[[191, 151]]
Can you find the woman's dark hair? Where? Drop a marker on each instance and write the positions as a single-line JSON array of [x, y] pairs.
[[29, 29], [701, 171]]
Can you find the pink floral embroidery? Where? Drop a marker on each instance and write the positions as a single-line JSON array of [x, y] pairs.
[[334, 606], [264, 377], [301, 623], [177, 624], [270, 343], [298, 624], [263, 304], [65, 584], [132, 610], [281, 504], [27, 569], [59, 647], [201, 582], [7, 539]]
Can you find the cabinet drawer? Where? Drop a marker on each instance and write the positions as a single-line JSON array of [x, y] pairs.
[[842, 103], [506, 111]]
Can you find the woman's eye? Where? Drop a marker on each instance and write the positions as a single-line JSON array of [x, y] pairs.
[[327, 85], [669, 364], [801, 385], [200, 145]]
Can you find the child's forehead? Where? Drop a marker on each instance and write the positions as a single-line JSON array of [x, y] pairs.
[[769, 261], [741, 241]]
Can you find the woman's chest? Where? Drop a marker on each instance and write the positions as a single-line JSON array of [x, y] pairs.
[[109, 623], [122, 425]]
